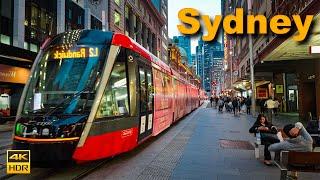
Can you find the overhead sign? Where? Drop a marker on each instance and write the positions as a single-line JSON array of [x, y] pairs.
[[279, 89]]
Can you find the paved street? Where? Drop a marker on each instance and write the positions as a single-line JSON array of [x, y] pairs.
[[192, 149]]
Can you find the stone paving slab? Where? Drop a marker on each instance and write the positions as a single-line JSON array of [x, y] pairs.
[[191, 149]]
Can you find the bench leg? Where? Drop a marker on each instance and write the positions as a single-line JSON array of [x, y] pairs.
[[283, 175]]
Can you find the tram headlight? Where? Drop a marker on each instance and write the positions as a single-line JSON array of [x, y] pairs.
[[20, 129]]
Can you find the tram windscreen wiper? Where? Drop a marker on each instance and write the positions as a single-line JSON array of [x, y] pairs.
[[66, 100]]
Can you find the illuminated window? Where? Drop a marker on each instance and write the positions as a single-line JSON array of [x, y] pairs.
[[118, 2], [115, 101], [5, 39], [117, 18]]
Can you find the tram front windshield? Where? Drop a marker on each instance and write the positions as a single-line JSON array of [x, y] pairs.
[[65, 80]]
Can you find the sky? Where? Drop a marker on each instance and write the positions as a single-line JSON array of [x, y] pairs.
[[208, 7]]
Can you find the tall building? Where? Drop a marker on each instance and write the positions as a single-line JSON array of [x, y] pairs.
[[213, 56], [199, 56], [144, 21], [194, 61], [185, 43]]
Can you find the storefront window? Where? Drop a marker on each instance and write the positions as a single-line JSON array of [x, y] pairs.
[[115, 101]]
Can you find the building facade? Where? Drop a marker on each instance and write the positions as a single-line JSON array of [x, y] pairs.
[[25, 24], [185, 43], [284, 69], [144, 21]]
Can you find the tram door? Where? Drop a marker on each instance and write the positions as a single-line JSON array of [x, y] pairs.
[[146, 101]]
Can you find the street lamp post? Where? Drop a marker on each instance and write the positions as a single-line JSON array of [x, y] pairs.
[[253, 99]]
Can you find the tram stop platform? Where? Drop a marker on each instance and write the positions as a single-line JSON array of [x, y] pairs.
[[204, 145]]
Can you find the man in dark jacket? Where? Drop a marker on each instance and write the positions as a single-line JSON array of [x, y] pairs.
[[248, 104]]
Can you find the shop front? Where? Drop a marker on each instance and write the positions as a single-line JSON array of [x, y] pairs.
[[12, 81]]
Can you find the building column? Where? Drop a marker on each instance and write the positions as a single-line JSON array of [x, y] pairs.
[[150, 41], [145, 36], [61, 11], [317, 70], [139, 31], [18, 23], [131, 25], [87, 18]]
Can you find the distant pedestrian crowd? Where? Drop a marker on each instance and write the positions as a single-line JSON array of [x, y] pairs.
[[231, 104]]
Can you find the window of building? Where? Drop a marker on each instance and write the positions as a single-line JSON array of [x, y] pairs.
[[115, 100], [74, 18], [33, 47], [5, 39], [95, 23], [118, 2], [40, 22], [6, 21], [117, 18]]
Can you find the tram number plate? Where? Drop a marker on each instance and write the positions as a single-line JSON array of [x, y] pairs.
[[18, 161]]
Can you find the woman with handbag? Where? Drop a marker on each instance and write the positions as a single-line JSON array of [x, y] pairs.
[[268, 135]]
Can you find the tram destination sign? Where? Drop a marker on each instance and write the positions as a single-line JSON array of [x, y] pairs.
[[80, 53]]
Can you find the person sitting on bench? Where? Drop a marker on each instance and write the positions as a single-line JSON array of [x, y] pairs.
[[268, 137], [299, 139]]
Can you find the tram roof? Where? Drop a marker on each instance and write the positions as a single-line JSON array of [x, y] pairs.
[[125, 41]]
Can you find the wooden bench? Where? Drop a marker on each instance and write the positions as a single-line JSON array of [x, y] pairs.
[[298, 162]]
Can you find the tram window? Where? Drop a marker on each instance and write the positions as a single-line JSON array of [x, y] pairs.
[[150, 91], [115, 100], [143, 90]]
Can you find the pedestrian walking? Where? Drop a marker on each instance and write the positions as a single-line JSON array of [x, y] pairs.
[[248, 104], [211, 101], [269, 104], [235, 105]]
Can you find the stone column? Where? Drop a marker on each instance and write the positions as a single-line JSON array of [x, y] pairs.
[[145, 36], [150, 41], [18, 23], [61, 11], [131, 25], [87, 18], [139, 31]]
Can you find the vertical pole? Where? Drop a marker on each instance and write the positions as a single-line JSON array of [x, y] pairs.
[[253, 96]]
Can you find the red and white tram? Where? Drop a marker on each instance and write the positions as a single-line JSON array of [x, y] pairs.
[[94, 94]]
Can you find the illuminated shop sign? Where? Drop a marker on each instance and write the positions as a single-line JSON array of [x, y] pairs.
[[81, 53]]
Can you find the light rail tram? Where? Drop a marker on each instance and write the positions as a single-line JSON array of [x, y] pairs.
[[94, 94]]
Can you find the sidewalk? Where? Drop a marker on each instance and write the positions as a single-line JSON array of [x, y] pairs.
[[204, 145], [220, 149]]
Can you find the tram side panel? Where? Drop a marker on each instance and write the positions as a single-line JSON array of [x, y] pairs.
[[163, 109]]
